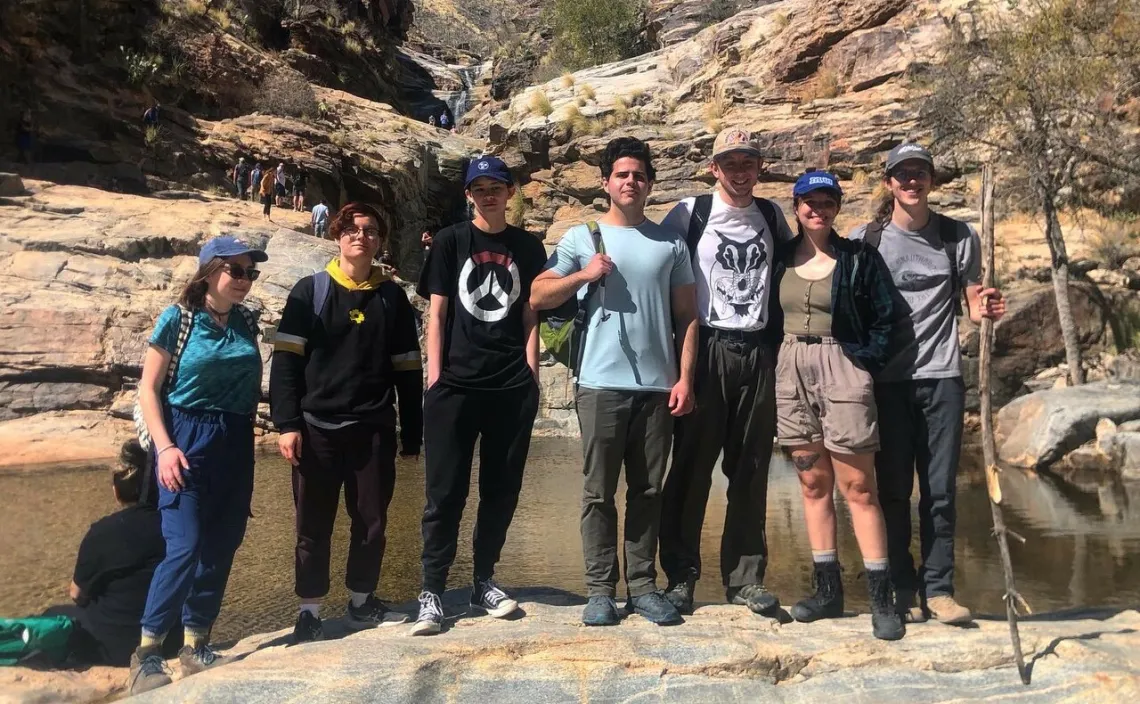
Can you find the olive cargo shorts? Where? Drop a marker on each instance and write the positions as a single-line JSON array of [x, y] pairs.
[[822, 394]]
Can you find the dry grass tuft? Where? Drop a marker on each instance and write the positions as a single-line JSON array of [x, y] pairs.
[[577, 122], [567, 80], [826, 85], [540, 104], [587, 91], [353, 45], [516, 209]]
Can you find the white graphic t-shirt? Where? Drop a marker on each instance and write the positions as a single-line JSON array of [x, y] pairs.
[[733, 262]]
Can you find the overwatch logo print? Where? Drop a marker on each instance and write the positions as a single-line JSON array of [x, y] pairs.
[[735, 289], [489, 285]]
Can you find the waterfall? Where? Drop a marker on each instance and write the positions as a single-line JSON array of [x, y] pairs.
[[460, 101]]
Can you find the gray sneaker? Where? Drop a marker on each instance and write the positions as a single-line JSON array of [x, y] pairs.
[[680, 595], [601, 611], [147, 672], [195, 660], [655, 608], [758, 599]]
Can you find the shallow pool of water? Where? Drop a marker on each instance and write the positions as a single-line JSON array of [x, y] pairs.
[[1081, 549]]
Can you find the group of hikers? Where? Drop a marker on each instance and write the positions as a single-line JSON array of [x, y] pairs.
[[717, 332], [444, 120], [283, 187]]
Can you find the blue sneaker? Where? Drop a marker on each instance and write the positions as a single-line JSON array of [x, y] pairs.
[[601, 611], [655, 608]]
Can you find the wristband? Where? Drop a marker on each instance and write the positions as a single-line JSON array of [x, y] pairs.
[[159, 454]]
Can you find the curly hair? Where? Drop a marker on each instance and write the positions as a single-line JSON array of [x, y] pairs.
[[627, 147], [344, 219]]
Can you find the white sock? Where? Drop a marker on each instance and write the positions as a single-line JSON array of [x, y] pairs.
[[358, 598], [825, 556], [314, 609]]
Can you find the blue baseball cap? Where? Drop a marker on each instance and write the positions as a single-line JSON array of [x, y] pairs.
[[814, 181], [226, 246], [491, 167]]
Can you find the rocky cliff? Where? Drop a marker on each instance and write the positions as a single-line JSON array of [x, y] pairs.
[[721, 653]]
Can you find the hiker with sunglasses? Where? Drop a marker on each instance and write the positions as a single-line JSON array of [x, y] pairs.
[[642, 320], [933, 260], [835, 310], [200, 423], [345, 355]]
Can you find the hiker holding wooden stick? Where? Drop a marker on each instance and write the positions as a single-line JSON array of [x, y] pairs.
[[920, 395]]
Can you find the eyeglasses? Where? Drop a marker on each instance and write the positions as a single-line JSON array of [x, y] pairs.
[[237, 271], [371, 233], [911, 174]]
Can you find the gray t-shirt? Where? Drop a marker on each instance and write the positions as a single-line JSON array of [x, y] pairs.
[[924, 343]]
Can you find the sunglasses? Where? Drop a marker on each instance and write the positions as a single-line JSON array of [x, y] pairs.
[[915, 174], [237, 271]]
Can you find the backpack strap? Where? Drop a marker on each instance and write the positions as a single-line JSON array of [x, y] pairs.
[[873, 234], [321, 283], [769, 212], [698, 219], [185, 322], [600, 248], [948, 233], [250, 318]]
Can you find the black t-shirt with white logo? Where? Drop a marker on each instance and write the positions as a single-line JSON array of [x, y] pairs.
[[486, 278]]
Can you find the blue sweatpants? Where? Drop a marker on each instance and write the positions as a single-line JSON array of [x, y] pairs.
[[204, 523]]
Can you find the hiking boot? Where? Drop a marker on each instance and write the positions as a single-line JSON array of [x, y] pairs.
[[308, 628], [886, 622], [487, 595], [758, 599], [944, 608], [680, 595], [195, 660], [907, 607], [601, 611], [430, 619], [827, 602], [655, 608], [373, 612], [148, 671]]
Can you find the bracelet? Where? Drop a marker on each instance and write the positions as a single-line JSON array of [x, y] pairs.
[[159, 453]]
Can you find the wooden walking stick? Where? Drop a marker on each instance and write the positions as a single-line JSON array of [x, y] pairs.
[[993, 484]]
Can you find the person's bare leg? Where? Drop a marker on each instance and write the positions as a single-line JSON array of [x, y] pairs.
[[817, 481], [855, 475]]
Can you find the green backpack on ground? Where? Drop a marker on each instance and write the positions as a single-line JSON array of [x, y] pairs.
[[561, 329], [44, 637]]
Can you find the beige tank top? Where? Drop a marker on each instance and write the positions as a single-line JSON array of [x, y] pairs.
[[806, 304]]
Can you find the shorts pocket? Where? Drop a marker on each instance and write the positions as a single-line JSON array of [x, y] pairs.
[[851, 423], [795, 424]]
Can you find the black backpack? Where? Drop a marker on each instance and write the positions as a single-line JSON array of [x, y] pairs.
[[700, 218], [948, 233]]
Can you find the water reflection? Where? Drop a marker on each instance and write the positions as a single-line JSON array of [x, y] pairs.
[[1083, 546]]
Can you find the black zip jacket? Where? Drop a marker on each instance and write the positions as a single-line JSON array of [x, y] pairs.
[[862, 306]]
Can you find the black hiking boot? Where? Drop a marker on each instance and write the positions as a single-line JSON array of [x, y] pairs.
[[886, 622], [827, 602], [308, 628], [680, 595]]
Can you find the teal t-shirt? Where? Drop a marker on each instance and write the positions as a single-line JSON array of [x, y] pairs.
[[629, 334], [220, 370]]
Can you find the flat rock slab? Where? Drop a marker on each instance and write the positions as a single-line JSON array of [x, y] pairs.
[[721, 653]]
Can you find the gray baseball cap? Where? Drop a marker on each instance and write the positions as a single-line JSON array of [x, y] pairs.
[[906, 151]]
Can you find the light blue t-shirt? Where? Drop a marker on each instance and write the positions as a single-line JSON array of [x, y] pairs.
[[220, 370], [629, 333]]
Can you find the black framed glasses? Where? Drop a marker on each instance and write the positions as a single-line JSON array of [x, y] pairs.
[[237, 271], [372, 233]]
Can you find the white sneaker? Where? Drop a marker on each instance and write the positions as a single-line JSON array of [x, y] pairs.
[[430, 620], [488, 596]]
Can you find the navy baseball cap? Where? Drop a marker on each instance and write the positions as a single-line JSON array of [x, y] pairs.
[[226, 246], [814, 181], [491, 167]]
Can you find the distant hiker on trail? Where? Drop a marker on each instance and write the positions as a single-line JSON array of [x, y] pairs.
[[346, 355], [731, 237], [26, 137], [268, 181], [255, 182], [431, 120], [835, 310], [240, 177], [201, 426], [279, 187], [919, 393], [444, 120], [630, 388], [300, 180], [482, 353], [113, 571], [320, 219], [151, 116]]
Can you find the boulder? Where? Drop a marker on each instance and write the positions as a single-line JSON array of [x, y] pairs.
[[721, 653], [1040, 428], [11, 185]]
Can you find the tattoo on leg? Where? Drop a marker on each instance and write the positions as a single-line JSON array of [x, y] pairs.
[[804, 460]]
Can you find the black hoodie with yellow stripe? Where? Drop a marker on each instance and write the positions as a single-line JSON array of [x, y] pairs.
[[352, 362]]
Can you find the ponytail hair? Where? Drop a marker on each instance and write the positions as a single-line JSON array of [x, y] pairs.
[[194, 295], [128, 478], [886, 205]]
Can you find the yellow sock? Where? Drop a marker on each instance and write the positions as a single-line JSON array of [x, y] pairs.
[[195, 638], [150, 641]]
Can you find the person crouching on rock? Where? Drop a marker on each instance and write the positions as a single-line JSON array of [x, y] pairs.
[[200, 420], [919, 392], [482, 338], [835, 307], [346, 353]]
